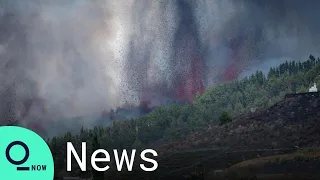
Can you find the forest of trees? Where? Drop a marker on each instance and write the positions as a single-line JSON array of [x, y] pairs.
[[218, 105]]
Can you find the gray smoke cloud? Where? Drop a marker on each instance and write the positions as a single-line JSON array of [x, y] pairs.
[[63, 59], [60, 59]]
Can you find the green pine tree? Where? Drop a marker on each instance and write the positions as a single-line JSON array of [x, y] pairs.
[[95, 146]]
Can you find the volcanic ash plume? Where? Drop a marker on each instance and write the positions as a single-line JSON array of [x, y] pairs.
[[59, 59], [164, 55], [63, 59]]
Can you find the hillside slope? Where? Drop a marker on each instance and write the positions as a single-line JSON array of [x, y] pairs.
[[278, 131], [292, 122]]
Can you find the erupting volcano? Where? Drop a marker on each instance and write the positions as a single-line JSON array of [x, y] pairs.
[[185, 70], [81, 58]]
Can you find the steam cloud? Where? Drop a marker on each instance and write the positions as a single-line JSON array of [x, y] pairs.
[[62, 59]]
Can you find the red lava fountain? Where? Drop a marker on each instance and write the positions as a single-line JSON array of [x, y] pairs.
[[193, 82]]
